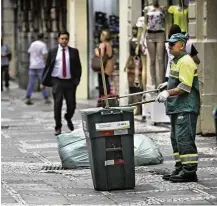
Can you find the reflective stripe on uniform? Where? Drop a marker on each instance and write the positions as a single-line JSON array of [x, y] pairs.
[[174, 74], [189, 158], [184, 87], [176, 157]]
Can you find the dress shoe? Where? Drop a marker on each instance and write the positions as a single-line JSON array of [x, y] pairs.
[[170, 175], [182, 177], [57, 131], [69, 124]]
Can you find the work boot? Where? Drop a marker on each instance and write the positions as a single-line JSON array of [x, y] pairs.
[[69, 123], [28, 101], [173, 173], [183, 177]]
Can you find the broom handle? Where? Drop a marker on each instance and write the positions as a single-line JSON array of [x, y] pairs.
[[144, 102], [103, 80]]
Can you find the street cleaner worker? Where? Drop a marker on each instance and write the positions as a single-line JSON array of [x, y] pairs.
[[182, 99]]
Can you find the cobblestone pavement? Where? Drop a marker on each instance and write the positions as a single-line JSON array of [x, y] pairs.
[[31, 172]]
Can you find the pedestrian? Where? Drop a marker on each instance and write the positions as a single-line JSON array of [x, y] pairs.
[[5, 60], [106, 49], [37, 57], [63, 72], [182, 100]]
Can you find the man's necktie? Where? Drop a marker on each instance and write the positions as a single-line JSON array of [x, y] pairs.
[[64, 63]]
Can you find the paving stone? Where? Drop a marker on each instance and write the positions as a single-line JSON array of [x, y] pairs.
[[131, 199], [213, 202], [194, 202], [41, 200], [181, 196], [212, 191], [32, 172], [7, 199], [79, 192], [210, 183], [90, 200]]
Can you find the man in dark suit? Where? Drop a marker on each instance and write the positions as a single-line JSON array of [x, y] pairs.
[[63, 72]]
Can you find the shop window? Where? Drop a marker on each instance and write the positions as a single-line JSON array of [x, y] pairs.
[[163, 2], [175, 2]]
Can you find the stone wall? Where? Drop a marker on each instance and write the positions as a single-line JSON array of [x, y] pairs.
[[8, 32], [202, 18]]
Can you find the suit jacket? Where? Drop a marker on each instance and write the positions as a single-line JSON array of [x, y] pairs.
[[75, 66]]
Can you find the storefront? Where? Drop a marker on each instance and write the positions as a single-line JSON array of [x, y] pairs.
[[80, 23], [201, 18], [101, 14]]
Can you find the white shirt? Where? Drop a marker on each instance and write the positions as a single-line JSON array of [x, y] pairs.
[[58, 66], [36, 50], [170, 56], [5, 51]]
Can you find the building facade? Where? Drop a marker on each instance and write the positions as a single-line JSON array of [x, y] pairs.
[[79, 15], [22, 20], [202, 18]]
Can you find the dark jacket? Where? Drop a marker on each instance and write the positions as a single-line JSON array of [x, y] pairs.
[[75, 66]]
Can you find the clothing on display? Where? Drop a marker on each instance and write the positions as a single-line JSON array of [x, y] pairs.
[[155, 19], [180, 16]]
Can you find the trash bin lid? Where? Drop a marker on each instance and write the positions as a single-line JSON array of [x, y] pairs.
[[90, 111]]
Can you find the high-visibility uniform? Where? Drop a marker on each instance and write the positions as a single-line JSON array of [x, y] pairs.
[[184, 110]]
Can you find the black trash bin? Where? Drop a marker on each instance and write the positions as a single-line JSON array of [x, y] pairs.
[[109, 134], [215, 120]]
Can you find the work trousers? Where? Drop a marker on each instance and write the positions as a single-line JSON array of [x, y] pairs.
[[183, 132]]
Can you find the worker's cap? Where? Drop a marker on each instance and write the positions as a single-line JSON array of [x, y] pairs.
[[178, 37]]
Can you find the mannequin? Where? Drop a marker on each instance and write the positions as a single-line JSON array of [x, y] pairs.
[[179, 15], [133, 70], [155, 37]]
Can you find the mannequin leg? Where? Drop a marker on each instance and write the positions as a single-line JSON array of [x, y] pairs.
[[145, 107], [152, 54], [144, 71], [160, 74]]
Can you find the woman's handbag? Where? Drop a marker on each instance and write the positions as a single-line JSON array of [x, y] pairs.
[[95, 62]]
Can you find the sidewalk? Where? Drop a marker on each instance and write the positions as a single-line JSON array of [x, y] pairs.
[[32, 173]]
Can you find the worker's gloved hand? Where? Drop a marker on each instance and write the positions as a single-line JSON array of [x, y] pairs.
[[162, 86], [162, 97]]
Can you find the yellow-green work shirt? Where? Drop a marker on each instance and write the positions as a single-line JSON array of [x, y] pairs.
[[184, 74]]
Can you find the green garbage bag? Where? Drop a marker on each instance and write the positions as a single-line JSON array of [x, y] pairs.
[[146, 151], [72, 149]]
